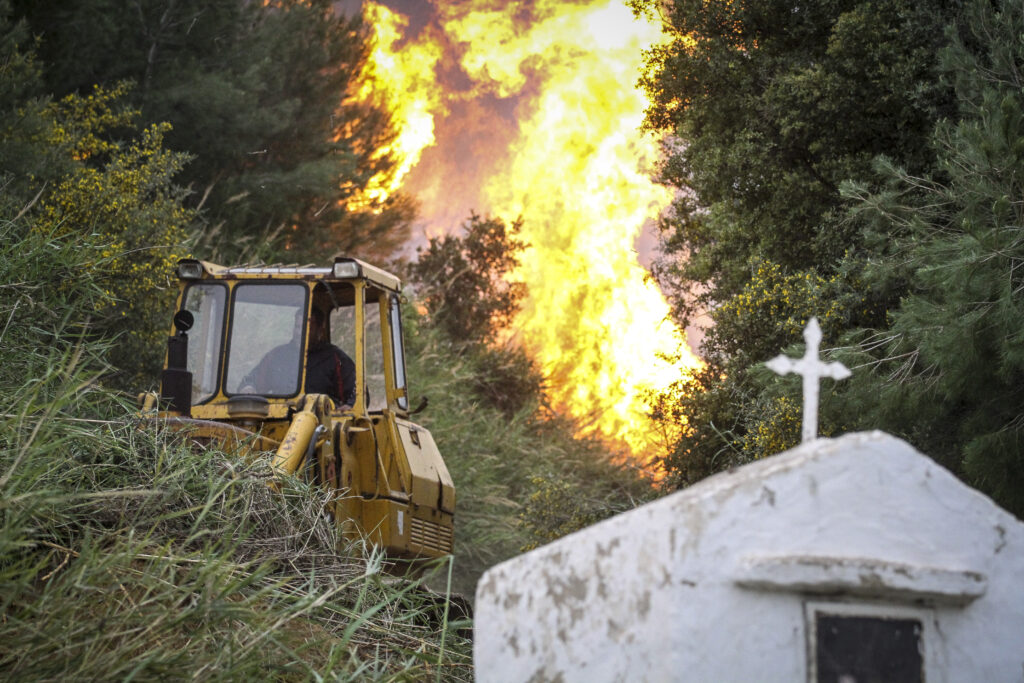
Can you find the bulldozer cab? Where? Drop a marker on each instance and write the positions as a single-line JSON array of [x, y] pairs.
[[308, 363], [257, 337]]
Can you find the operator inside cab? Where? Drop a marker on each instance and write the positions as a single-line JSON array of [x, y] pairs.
[[329, 370]]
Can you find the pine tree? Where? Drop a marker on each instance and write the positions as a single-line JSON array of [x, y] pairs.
[[261, 96], [948, 374], [774, 104]]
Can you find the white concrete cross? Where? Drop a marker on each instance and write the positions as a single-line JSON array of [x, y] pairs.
[[812, 370]]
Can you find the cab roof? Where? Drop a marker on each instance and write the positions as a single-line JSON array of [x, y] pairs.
[[344, 269]]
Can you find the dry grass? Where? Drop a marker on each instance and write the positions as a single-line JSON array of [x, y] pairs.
[[124, 555]]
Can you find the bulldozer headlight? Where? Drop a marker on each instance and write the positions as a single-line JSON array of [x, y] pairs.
[[190, 270], [346, 269]]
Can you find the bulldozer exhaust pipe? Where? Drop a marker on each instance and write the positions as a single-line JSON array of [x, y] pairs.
[[176, 380]]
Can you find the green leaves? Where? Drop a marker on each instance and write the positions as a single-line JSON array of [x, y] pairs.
[[463, 279], [959, 236], [775, 106], [920, 272], [262, 96]]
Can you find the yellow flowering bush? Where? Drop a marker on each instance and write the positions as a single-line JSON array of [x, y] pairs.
[[120, 194], [80, 121], [768, 315], [785, 301], [776, 428]]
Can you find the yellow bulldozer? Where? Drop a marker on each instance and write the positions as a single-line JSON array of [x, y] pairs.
[[307, 363]]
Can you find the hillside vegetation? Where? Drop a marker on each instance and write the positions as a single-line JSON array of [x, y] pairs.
[[860, 162], [125, 554], [830, 166]]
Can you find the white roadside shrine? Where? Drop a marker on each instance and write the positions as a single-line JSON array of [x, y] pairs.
[[841, 560]]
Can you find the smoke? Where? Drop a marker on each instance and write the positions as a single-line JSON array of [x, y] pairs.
[[474, 131]]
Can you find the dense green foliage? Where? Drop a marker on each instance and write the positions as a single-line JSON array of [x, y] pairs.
[[832, 166], [777, 105], [124, 554], [261, 94], [948, 371], [64, 170]]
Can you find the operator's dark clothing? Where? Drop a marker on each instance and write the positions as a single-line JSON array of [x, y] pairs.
[[330, 371]]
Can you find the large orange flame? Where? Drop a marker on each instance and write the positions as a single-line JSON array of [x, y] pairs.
[[401, 78], [571, 160]]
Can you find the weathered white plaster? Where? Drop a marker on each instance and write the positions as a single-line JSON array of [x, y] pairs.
[[713, 583]]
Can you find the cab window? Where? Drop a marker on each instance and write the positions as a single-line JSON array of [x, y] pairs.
[[374, 351], [398, 351], [206, 304], [265, 343]]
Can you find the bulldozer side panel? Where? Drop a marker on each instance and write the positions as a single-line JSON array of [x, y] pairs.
[[431, 483], [364, 450], [340, 468], [405, 533], [398, 476]]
